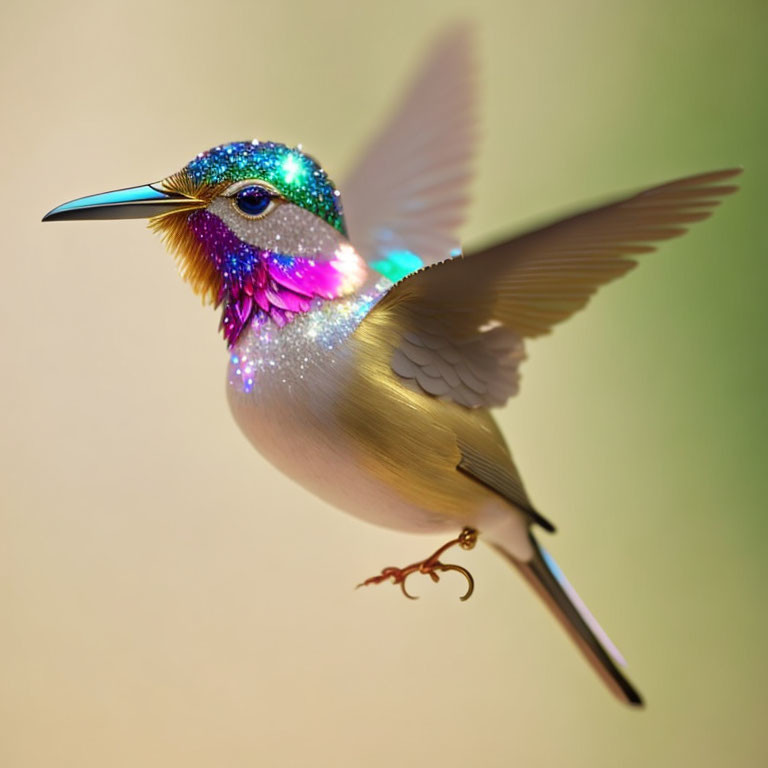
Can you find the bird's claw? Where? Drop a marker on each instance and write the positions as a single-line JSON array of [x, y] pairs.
[[430, 567]]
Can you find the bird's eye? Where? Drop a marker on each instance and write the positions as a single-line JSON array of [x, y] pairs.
[[253, 201]]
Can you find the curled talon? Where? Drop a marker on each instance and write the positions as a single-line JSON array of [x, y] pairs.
[[466, 574], [430, 567], [405, 591]]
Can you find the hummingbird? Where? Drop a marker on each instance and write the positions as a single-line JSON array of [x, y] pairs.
[[366, 349]]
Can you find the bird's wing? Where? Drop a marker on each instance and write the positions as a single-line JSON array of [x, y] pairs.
[[458, 325], [500, 474], [473, 370], [407, 195]]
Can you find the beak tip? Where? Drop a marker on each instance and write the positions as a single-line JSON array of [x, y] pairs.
[[60, 213]]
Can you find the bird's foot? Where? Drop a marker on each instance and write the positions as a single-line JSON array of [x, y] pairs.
[[431, 566]]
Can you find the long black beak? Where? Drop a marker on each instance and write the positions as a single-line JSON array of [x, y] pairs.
[[131, 203]]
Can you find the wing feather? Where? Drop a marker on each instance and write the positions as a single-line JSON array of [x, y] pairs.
[[474, 311], [409, 190]]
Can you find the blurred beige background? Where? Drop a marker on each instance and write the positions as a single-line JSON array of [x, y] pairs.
[[168, 600]]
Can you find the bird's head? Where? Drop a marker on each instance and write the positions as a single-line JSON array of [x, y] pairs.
[[256, 227]]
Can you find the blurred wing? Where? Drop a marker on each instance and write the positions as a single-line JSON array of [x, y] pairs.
[[408, 193], [524, 286]]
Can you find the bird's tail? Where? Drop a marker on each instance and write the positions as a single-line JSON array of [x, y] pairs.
[[545, 576]]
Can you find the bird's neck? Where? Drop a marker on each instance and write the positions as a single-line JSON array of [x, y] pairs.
[[277, 288], [264, 286]]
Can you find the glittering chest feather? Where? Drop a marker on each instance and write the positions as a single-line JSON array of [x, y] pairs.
[[257, 284]]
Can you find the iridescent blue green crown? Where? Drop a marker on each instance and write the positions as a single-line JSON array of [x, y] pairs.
[[294, 174]]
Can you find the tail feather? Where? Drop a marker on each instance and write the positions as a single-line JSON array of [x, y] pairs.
[[546, 578]]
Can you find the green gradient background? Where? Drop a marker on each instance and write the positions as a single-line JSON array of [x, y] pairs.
[[168, 600]]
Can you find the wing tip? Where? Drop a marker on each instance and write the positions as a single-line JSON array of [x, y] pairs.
[[710, 177], [704, 181], [458, 30], [541, 521]]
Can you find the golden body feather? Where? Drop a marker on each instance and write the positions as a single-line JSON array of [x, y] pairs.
[[414, 442]]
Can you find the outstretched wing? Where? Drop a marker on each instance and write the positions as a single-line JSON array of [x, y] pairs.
[[454, 320], [406, 198]]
